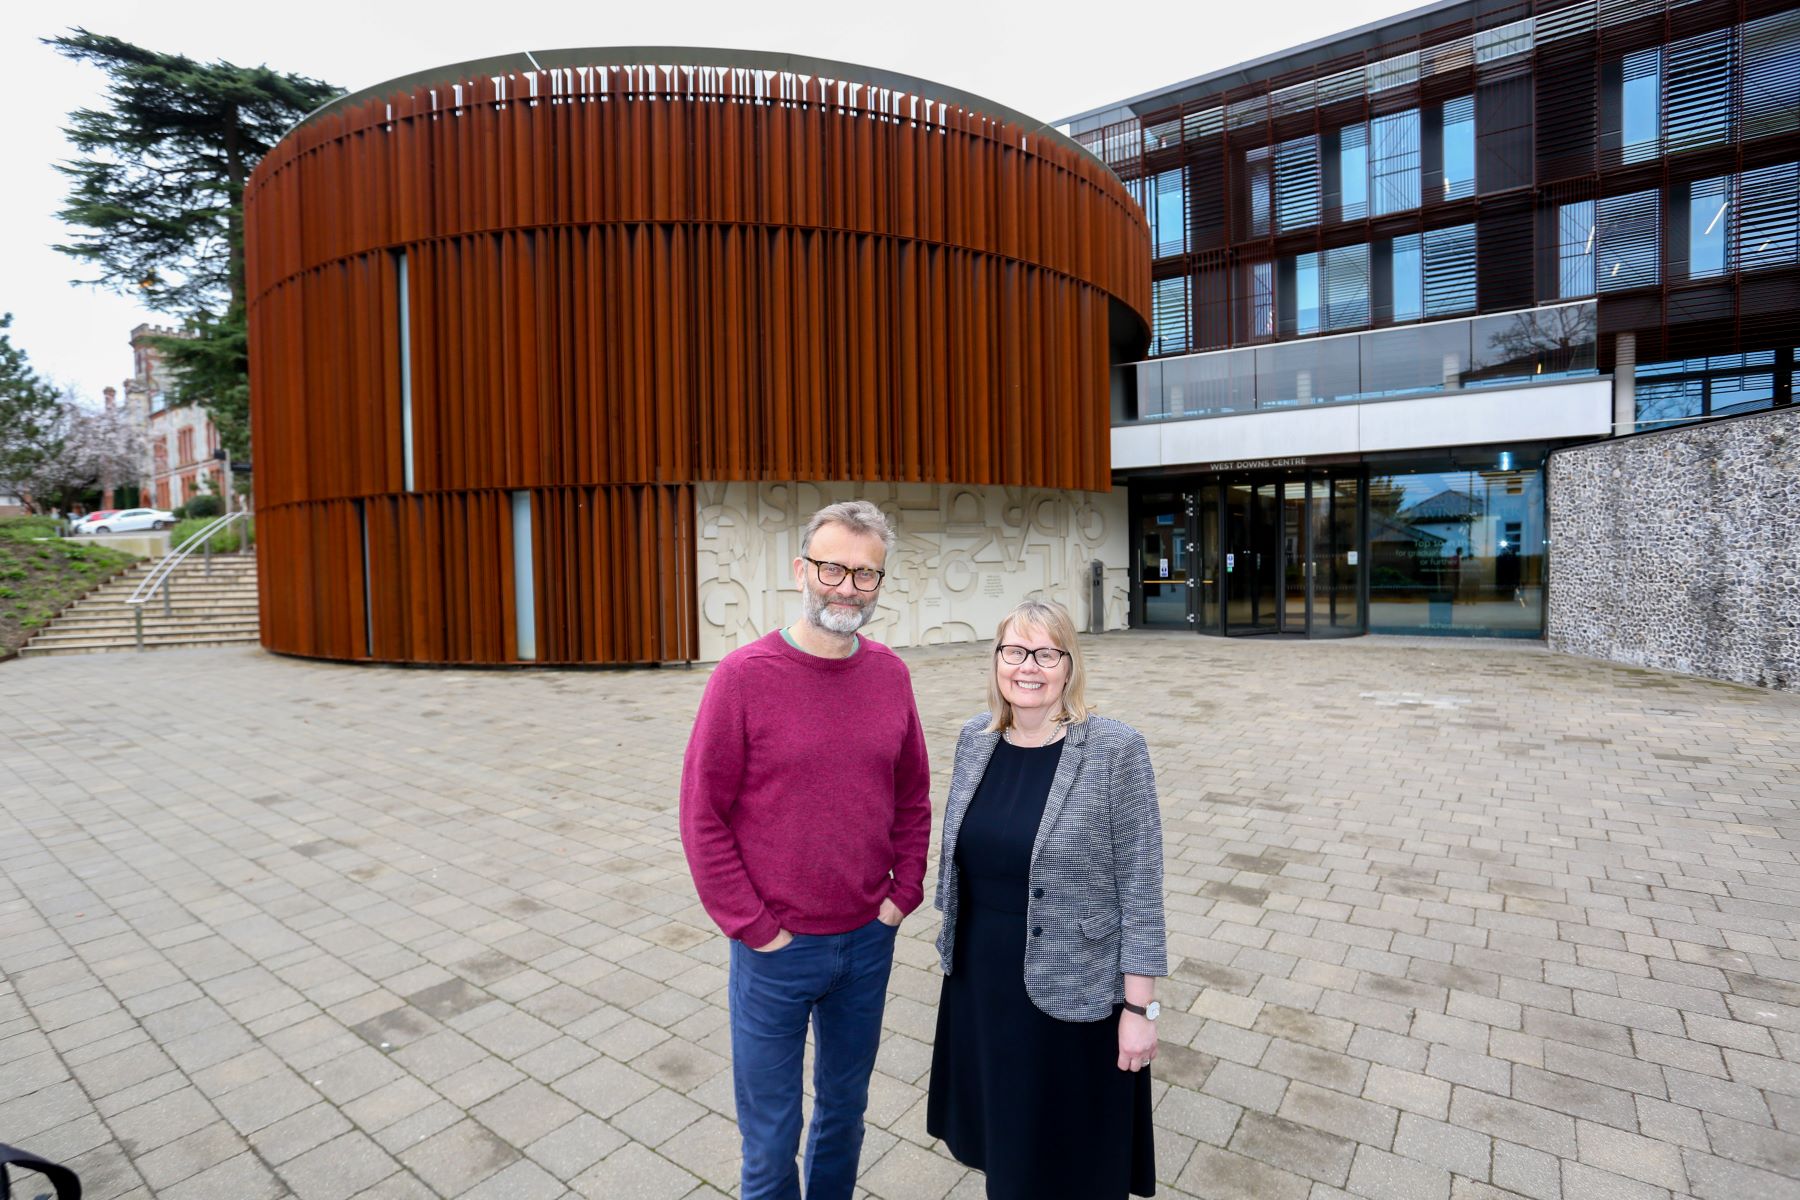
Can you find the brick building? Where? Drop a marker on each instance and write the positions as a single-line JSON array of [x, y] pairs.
[[180, 439]]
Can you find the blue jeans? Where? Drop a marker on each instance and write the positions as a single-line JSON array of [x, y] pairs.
[[838, 982]]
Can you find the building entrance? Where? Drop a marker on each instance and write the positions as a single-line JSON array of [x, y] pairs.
[[1256, 555]]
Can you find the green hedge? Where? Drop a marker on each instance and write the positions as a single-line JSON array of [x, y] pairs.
[[25, 529], [223, 542]]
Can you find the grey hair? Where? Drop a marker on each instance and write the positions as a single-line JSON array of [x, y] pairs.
[[858, 516]]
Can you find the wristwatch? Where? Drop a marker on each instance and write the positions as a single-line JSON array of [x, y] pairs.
[[1149, 1012]]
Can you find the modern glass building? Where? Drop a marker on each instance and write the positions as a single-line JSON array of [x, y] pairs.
[[1394, 267]]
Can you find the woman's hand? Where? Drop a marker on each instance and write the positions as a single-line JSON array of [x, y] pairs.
[[890, 914], [1137, 1041]]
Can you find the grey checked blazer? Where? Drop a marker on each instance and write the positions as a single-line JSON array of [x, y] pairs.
[[1096, 905]]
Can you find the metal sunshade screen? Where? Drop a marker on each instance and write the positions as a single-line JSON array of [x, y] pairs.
[[321, 612], [601, 528], [620, 280]]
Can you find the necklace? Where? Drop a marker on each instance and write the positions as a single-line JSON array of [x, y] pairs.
[[1012, 739]]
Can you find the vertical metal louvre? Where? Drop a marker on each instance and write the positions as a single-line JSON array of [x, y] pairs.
[[569, 293]]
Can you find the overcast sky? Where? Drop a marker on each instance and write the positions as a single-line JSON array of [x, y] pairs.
[[1048, 60]]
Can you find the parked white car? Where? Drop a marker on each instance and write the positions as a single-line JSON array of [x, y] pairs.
[[126, 520]]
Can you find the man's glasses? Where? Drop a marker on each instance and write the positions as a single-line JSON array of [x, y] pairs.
[[1047, 656], [864, 579]]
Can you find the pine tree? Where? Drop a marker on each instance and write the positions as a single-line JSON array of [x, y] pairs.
[[29, 412], [157, 195]]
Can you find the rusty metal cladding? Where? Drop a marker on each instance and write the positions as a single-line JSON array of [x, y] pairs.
[[621, 280]]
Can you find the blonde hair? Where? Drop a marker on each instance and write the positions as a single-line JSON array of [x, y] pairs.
[[1054, 620]]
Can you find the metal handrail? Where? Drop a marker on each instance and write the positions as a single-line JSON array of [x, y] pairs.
[[158, 578], [177, 556]]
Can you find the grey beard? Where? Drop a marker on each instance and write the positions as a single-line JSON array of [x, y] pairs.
[[815, 607]]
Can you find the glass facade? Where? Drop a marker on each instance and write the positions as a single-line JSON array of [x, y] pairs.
[[1640, 105], [1458, 148], [1503, 350], [1555, 160], [1531, 131], [1443, 544], [1720, 385], [1457, 550], [1394, 162], [1708, 202]]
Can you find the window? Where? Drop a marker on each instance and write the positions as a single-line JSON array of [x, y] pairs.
[[1394, 158], [1169, 316], [1575, 251], [1346, 287], [1408, 267], [1687, 389], [1709, 200], [1627, 241], [159, 452], [1640, 98], [1459, 148], [1768, 217], [1504, 42], [1697, 96], [1306, 293], [184, 443], [1353, 172], [1297, 184], [1771, 78], [1261, 295], [1449, 270], [1505, 120], [1165, 207], [1257, 177]]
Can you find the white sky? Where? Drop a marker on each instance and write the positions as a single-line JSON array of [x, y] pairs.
[[1048, 59]]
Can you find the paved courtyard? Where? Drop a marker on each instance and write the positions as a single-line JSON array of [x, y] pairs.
[[1446, 920]]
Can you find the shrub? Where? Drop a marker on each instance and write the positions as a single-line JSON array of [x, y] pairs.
[[25, 529], [223, 542], [204, 505]]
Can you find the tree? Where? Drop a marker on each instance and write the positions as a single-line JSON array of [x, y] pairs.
[[157, 195], [29, 412], [94, 449]]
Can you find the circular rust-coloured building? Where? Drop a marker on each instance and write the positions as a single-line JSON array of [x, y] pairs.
[[507, 318]]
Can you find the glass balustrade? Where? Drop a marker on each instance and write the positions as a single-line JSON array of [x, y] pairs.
[[1502, 350]]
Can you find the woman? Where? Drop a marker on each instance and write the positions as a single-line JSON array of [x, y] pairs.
[[1050, 883]]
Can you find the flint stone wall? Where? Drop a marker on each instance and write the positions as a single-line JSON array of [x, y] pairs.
[[1680, 550]]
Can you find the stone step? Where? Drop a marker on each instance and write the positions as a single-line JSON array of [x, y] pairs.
[[178, 597], [127, 627], [206, 608], [178, 637], [118, 608], [37, 647]]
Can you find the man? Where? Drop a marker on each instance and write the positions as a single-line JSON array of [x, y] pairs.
[[805, 814]]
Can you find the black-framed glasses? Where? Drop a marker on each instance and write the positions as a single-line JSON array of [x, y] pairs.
[[864, 579], [1047, 657]]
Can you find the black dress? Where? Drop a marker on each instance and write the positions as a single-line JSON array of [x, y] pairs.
[[1037, 1103]]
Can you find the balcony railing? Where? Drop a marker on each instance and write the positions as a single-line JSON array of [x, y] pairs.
[[1501, 350]]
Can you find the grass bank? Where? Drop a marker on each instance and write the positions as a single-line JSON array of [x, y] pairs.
[[39, 578]]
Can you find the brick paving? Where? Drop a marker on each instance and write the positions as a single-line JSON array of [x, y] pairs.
[[1447, 920]]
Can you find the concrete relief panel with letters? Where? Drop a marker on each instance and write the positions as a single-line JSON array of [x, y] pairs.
[[965, 556]]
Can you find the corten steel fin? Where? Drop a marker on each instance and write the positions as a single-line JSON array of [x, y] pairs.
[[622, 279]]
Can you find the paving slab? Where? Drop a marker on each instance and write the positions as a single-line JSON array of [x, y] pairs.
[[1447, 919]]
